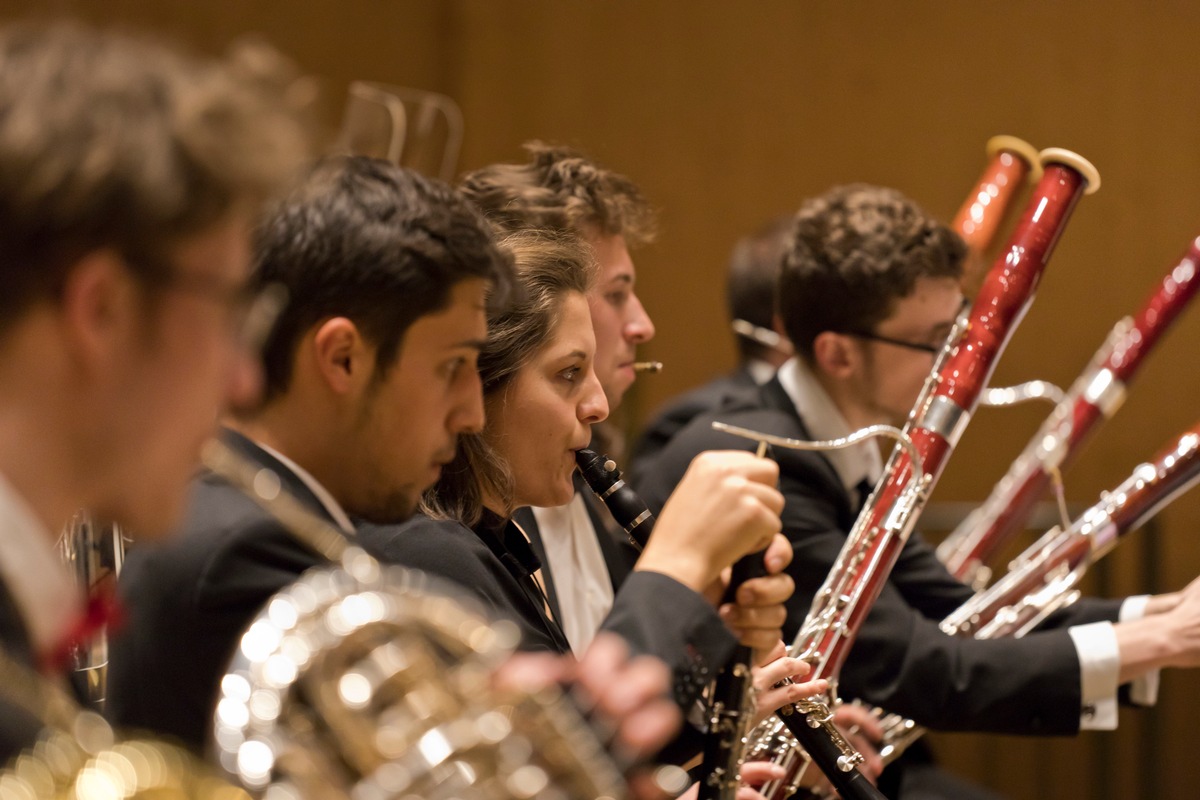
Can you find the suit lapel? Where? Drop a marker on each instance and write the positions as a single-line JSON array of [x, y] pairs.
[[288, 479], [14, 636], [524, 517]]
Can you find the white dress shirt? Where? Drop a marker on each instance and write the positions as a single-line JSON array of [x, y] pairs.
[[47, 598], [1095, 644], [332, 506], [582, 584]]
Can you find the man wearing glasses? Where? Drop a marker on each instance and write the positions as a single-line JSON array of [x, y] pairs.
[[869, 290], [125, 208]]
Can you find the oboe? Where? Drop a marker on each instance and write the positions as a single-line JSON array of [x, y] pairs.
[[1096, 395], [809, 721]]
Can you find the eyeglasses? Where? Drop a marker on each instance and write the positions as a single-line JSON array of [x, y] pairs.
[[875, 337], [252, 310]]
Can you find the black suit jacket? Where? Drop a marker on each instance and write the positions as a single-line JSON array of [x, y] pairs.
[[655, 614], [677, 413], [18, 729], [901, 659], [190, 599], [619, 555]]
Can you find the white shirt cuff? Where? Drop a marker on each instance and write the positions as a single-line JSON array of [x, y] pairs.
[[1143, 691], [1099, 668]]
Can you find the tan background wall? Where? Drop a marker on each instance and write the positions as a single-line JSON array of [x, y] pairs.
[[729, 113]]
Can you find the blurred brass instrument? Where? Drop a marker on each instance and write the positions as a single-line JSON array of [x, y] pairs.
[[94, 553], [369, 681], [77, 757]]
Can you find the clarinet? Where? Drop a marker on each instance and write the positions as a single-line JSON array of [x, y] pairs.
[[1096, 395], [810, 721], [627, 508]]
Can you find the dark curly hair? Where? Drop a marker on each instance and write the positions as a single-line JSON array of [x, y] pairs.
[[854, 251], [560, 189]]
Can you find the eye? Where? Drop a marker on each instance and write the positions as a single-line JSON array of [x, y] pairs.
[[570, 374], [450, 369], [617, 298]]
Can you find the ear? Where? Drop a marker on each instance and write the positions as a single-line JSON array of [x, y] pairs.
[[836, 354], [99, 308], [343, 358]]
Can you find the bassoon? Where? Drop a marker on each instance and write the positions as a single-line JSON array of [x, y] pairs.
[[1046, 576], [1095, 396], [937, 422], [1011, 161]]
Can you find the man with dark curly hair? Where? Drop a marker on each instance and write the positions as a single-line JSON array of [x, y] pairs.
[[869, 290]]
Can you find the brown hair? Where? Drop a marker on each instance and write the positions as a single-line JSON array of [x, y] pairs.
[[109, 140], [548, 268], [853, 252], [560, 189]]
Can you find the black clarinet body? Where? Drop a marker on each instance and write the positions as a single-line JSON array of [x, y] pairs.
[[809, 721], [627, 508]]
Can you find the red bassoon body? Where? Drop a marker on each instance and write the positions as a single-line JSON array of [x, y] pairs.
[[1045, 577], [941, 416], [1011, 161], [934, 427], [1095, 396]]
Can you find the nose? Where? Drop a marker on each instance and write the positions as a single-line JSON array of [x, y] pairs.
[[466, 415], [639, 328], [593, 404]]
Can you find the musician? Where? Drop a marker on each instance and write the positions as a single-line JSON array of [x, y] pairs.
[[562, 191], [369, 379], [542, 396], [762, 348], [868, 292], [129, 175]]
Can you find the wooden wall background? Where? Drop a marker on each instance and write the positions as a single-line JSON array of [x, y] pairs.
[[729, 113]]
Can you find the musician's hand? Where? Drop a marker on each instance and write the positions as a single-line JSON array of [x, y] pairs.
[[1168, 638], [863, 730], [627, 700], [778, 666], [759, 612], [754, 774], [725, 507]]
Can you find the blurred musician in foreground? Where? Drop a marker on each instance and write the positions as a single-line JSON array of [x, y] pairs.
[[868, 292], [762, 346], [129, 177]]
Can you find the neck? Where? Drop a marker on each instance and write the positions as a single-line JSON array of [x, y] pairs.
[[297, 433], [846, 398], [45, 454]]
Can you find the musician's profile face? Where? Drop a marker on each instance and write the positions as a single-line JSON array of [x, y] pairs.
[[618, 318], [545, 413], [892, 374], [408, 419], [177, 369]]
